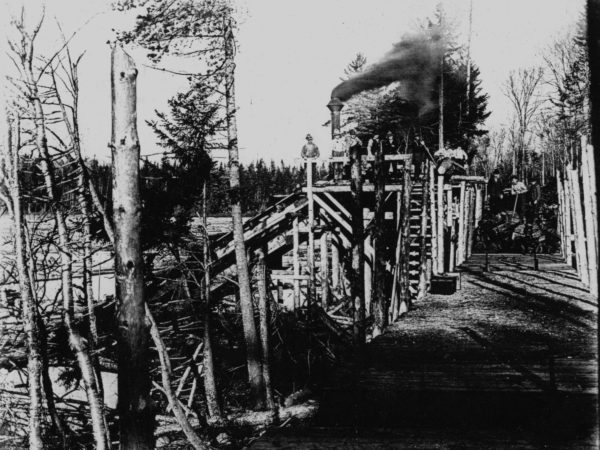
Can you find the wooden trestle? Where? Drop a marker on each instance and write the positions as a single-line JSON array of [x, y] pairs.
[[426, 227]]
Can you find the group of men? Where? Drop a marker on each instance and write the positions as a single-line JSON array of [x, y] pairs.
[[522, 200], [344, 144]]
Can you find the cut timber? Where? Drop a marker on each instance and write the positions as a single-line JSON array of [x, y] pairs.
[[579, 226], [324, 254], [469, 178], [296, 262], [440, 224], [433, 215], [590, 220]]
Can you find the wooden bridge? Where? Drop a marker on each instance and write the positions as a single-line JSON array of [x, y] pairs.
[[508, 360]]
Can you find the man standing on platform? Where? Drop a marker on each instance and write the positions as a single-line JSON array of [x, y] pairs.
[[390, 147], [351, 141], [338, 150], [310, 151], [373, 147]]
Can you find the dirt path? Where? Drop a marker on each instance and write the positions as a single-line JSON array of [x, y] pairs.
[[508, 361]]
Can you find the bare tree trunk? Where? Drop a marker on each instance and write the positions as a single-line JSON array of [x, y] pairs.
[[86, 213], [253, 356], [265, 317], [210, 382], [77, 344], [135, 405], [28, 307], [358, 250]]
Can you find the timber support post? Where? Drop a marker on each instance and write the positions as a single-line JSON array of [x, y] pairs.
[[358, 250], [324, 254], [311, 291], [440, 224]]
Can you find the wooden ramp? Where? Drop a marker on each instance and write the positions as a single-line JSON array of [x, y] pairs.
[[509, 361]]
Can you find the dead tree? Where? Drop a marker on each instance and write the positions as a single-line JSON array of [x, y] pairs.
[[521, 89], [10, 195], [265, 317], [253, 354], [24, 51], [136, 415], [84, 186], [210, 383]]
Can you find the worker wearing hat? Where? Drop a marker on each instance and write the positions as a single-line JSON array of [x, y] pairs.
[[310, 151]]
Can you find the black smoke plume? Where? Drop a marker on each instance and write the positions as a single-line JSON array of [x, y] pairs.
[[414, 62]]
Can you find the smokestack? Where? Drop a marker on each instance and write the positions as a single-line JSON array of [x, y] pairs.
[[335, 105]]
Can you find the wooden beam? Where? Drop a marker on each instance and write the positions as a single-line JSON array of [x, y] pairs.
[[346, 188], [468, 178], [335, 260], [338, 205], [334, 214]]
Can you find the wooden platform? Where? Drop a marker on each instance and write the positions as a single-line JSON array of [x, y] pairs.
[[509, 361]]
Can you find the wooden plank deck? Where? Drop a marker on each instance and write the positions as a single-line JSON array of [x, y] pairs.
[[509, 361]]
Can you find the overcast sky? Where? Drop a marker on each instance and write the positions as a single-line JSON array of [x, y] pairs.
[[292, 53]]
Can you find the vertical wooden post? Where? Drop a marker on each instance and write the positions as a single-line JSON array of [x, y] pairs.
[[423, 266], [433, 216], [405, 301], [324, 271], [561, 212], [369, 268], [335, 260], [296, 262], [590, 224], [478, 205], [579, 227], [380, 298], [440, 224], [358, 251], [471, 222], [460, 257], [311, 291], [450, 214], [590, 169], [568, 214]]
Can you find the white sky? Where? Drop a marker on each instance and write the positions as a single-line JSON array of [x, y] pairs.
[[292, 53]]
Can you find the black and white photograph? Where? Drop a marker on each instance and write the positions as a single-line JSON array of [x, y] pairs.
[[283, 224]]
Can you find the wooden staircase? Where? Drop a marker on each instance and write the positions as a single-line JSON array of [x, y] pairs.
[[415, 220]]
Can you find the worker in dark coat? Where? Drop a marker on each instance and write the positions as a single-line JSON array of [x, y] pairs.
[[534, 197], [390, 147], [495, 192]]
